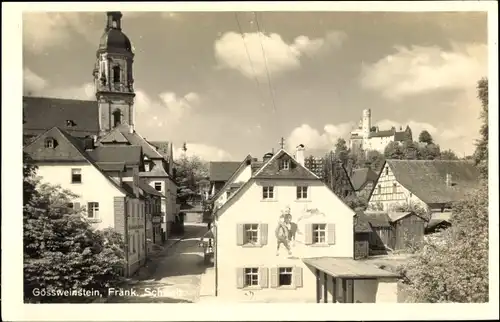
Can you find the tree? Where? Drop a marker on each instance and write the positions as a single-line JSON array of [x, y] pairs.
[[410, 150], [375, 159], [429, 151], [190, 171], [355, 202], [62, 251], [341, 151], [393, 150], [448, 155], [453, 266], [425, 137], [481, 153]]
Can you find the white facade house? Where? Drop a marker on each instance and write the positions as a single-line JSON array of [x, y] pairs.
[[272, 230], [108, 193]]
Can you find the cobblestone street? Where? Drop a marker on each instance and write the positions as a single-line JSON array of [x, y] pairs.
[[173, 276]]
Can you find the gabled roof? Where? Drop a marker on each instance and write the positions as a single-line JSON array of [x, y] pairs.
[[222, 170], [271, 170], [44, 113], [156, 172], [65, 149], [71, 150], [426, 179], [362, 223], [129, 154], [242, 165], [163, 147], [133, 139], [256, 165], [360, 177]]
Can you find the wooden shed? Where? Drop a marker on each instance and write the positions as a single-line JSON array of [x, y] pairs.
[[395, 230], [362, 231]]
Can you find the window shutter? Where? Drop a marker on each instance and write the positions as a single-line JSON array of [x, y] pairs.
[[240, 277], [309, 234], [274, 277], [76, 206], [263, 280], [263, 234], [297, 276], [330, 234], [240, 233]]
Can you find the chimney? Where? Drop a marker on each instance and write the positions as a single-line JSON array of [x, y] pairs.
[[131, 129], [449, 182], [299, 154], [267, 156]]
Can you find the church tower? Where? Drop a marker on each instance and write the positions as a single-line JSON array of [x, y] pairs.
[[113, 77]]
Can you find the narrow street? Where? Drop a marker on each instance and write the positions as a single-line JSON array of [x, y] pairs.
[[171, 277]]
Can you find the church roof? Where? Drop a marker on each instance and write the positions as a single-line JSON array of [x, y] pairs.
[[115, 40], [78, 117]]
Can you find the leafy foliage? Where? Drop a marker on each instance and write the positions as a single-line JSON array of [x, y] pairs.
[[481, 153], [448, 155], [61, 249], [453, 266], [425, 137], [190, 172]]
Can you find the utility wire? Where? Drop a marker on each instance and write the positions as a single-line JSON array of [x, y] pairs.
[[265, 62], [248, 54]]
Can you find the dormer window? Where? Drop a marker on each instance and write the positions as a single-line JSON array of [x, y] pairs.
[[50, 143], [70, 123], [284, 164]]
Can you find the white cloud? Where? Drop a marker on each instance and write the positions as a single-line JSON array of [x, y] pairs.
[[42, 30], [34, 85], [231, 53], [316, 140], [417, 70], [205, 152]]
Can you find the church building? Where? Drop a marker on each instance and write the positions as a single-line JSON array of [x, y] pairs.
[[102, 134]]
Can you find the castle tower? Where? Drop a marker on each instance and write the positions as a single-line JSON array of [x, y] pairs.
[[113, 77], [366, 123]]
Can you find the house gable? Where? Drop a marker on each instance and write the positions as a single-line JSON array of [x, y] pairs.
[[273, 169], [230, 183]]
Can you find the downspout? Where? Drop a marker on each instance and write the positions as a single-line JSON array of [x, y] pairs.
[[215, 256], [127, 243]]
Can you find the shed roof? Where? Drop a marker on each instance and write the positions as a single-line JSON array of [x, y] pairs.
[[379, 219], [348, 268], [362, 223]]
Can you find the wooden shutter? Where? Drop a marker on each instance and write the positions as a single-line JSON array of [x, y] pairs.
[[330, 233], [240, 234], [263, 278], [263, 234], [76, 206], [240, 277], [309, 234], [274, 277], [297, 276]]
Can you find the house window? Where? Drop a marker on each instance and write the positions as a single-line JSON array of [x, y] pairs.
[[285, 276], [319, 233], [394, 188], [116, 74], [158, 186], [379, 189], [386, 171], [251, 233], [251, 276], [93, 210], [49, 143], [302, 192], [267, 192], [285, 164], [76, 175]]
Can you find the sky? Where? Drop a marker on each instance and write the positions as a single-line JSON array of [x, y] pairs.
[[232, 84]]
